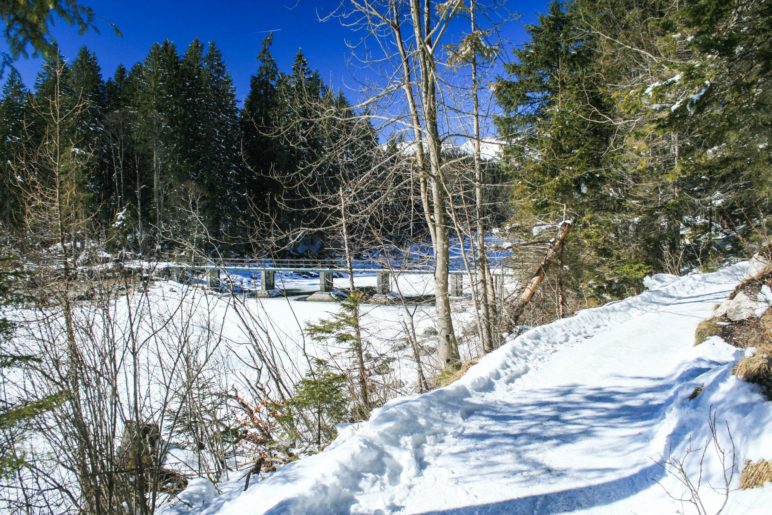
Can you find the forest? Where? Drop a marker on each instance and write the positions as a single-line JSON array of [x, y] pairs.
[[629, 138]]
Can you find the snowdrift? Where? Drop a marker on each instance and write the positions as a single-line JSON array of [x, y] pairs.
[[610, 411]]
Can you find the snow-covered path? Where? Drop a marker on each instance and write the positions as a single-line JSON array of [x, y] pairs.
[[577, 415]]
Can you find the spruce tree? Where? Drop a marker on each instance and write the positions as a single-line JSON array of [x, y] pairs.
[[261, 149], [159, 107], [222, 162], [85, 85], [729, 109], [15, 410], [554, 105], [14, 117]]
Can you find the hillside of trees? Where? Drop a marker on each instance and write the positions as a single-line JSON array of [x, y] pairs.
[[648, 123], [165, 157]]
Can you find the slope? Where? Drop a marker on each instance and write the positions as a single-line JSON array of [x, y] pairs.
[[590, 413]]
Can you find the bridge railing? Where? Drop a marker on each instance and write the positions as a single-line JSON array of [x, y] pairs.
[[425, 264]]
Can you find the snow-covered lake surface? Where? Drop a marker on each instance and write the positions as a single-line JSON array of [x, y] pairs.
[[579, 415]]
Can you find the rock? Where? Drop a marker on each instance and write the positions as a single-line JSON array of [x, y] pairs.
[[430, 331], [741, 307], [320, 296], [268, 294], [384, 298], [758, 266]]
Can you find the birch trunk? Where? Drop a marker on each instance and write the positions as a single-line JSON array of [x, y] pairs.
[[447, 344]]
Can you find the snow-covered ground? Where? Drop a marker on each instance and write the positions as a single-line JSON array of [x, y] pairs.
[[591, 413]]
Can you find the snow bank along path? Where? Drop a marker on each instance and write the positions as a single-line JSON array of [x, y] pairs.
[[577, 415]]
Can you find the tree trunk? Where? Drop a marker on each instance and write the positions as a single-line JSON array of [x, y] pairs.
[[447, 344], [488, 330], [358, 344]]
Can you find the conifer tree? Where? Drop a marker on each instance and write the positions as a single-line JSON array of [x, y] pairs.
[[554, 105], [627, 114], [260, 149], [130, 161], [222, 162], [15, 411], [159, 105], [28, 24], [45, 90], [728, 109], [14, 117], [85, 85]]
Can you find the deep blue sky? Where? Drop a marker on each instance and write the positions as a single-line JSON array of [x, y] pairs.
[[238, 27]]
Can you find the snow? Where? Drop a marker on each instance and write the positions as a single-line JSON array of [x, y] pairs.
[[586, 414], [490, 149], [120, 218], [693, 99], [220, 332], [672, 80], [697, 96], [540, 228]]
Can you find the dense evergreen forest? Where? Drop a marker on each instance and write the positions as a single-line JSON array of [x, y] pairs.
[[648, 123], [164, 156]]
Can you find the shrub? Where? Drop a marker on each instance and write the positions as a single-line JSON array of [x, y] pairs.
[[319, 404]]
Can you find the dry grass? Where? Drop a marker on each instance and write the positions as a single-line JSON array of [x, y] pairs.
[[752, 332], [451, 376], [758, 370], [708, 328], [756, 474]]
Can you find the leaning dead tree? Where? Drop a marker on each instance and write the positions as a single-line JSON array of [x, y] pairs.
[[515, 310]]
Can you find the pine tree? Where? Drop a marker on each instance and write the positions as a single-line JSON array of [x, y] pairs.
[[14, 118], [344, 328], [85, 85], [45, 91], [261, 150], [729, 111], [159, 107], [318, 406], [554, 108], [28, 24], [222, 163], [628, 114], [15, 411], [126, 167]]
